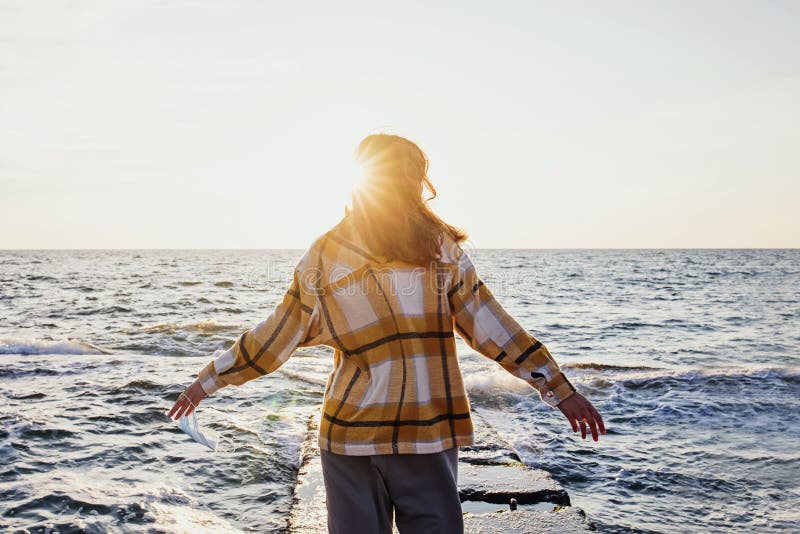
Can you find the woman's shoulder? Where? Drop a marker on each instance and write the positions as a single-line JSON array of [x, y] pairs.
[[451, 250], [328, 242], [312, 253]]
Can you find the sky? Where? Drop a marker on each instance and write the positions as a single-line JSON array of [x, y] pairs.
[[232, 124]]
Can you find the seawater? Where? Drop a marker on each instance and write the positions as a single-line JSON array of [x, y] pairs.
[[690, 355]]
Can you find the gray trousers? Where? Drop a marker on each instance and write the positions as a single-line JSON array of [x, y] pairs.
[[362, 492]]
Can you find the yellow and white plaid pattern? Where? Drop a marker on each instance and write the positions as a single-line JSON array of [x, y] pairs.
[[396, 386]]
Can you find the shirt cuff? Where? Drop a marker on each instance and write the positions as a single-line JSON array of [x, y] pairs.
[[554, 395], [209, 380], [554, 391]]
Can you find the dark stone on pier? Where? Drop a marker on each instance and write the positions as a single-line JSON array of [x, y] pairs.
[[500, 483]]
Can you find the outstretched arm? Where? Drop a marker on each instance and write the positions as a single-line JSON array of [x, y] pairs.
[[486, 327], [262, 349]]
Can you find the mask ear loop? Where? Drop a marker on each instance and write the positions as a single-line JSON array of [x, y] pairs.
[[183, 394]]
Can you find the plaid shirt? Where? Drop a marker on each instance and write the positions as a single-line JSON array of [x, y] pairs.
[[396, 386]]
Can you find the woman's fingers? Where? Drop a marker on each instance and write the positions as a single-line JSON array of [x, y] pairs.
[[175, 407], [581, 414], [174, 413], [182, 409], [574, 422], [183, 406], [592, 426], [187, 401], [600, 425]]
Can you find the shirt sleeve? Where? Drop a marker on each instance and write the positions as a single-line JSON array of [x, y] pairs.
[[486, 327], [263, 348]]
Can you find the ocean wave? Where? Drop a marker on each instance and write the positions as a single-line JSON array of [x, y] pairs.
[[147, 385], [665, 480], [7, 371], [608, 367], [105, 310], [673, 323], [83, 289], [197, 326], [710, 376], [40, 278], [165, 346], [46, 346], [633, 377], [317, 381], [632, 325], [78, 506]]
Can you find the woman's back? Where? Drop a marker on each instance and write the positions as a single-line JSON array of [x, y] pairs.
[[396, 386]]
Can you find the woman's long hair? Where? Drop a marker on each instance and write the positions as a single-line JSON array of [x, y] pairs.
[[388, 209]]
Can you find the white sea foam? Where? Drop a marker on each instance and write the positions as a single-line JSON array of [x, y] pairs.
[[496, 381], [14, 345]]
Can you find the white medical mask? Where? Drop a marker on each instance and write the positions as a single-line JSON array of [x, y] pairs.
[[201, 435]]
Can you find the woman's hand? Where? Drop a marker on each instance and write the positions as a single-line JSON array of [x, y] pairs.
[[580, 411], [194, 393]]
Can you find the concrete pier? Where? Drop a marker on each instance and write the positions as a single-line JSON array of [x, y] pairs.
[[490, 474]]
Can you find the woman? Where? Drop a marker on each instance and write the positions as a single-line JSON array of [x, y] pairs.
[[385, 288]]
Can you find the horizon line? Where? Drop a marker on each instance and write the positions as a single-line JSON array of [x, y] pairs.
[[305, 248]]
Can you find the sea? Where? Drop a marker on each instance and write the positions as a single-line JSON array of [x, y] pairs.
[[692, 357]]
